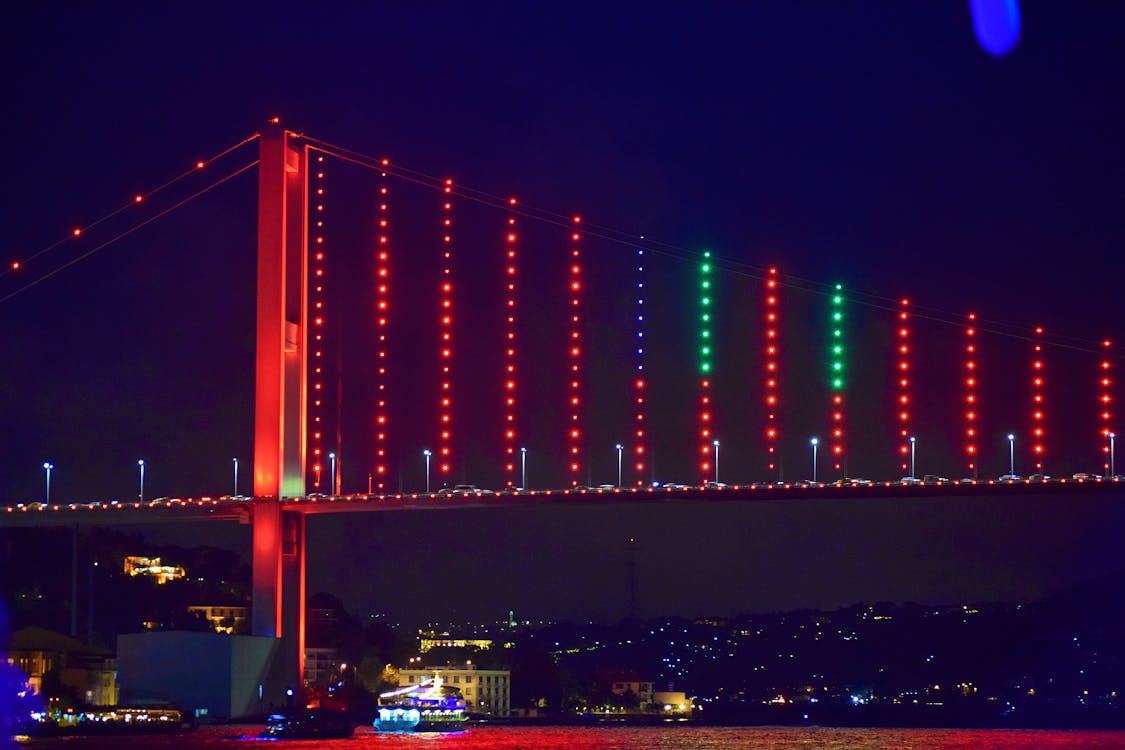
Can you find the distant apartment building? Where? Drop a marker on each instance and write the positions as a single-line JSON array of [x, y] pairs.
[[486, 691], [320, 664], [224, 618], [639, 688], [151, 566], [430, 640]]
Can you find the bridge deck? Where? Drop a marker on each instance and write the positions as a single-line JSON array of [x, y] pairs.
[[241, 509]]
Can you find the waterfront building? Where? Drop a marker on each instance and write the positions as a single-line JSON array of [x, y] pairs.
[[88, 672], [486, 691]]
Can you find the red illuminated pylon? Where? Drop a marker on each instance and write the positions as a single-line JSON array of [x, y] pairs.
[[904, 377], [510, 350], [1038, 430], [971, 413], [773, 368], [382, 317], [445, 350], [574, 355]]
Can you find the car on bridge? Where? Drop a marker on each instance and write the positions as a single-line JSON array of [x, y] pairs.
[[1010, 478], [911, 480], [464, 490]]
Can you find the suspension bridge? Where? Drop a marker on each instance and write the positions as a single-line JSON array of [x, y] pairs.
[[459, 378]]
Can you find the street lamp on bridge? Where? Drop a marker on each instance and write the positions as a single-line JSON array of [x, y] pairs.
[[814, 442], [332, 481], [1112, 470], [427, 453], [141, 467], [912, 474], [1011, 454], [47, 466], [619, 448], [716, 444], [236, 477], [523, 468]]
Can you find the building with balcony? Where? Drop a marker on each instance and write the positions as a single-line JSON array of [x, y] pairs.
[[88, 673], [486, 691]]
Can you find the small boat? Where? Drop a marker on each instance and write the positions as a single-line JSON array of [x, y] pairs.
[[314, 725], [428, 706]]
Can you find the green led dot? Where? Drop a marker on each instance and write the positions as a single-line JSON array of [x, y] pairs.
[[706, 300], [837, 316], [837, 383], [706, 334], [706, 268], [837, 367], [836, 333], [837, 300], [837, 350], [839, 287], [705, 367]]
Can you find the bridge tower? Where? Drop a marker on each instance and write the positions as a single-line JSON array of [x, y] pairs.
[[278, 605]]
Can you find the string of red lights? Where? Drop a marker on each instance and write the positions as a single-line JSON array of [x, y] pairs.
[[382, 317], [445, 397], [575, 357], [904, 378], [1038, 430], [317, 281], [773, 373], [125, 233], [510, 271], [136, 200], [971, 395], [1105, 403]]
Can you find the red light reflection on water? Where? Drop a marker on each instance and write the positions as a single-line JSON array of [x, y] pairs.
[[666, 737]]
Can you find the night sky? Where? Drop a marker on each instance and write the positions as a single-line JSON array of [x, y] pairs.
[[874, 146]]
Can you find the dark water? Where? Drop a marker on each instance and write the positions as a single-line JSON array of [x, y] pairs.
[[631, 738]]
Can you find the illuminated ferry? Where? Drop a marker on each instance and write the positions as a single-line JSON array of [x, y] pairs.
[[428, 706]]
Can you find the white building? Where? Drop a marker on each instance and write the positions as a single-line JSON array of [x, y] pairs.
[[486, 691], [639, 688], [321, 664]]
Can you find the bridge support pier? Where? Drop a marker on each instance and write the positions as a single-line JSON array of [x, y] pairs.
[[281, 395], [278, 606]]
